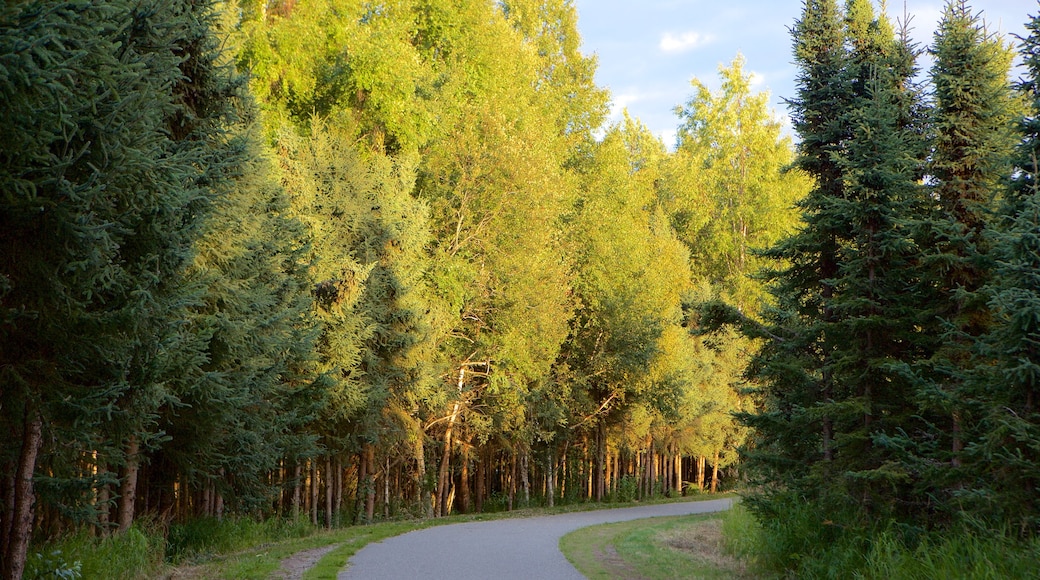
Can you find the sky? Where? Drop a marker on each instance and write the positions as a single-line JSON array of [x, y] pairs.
[[648, 50]]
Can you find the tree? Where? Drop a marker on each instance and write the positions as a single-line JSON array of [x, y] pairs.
[[830, 368], [113, 149], [727, 187], [971, 122], [631, 272], [1006, 388]]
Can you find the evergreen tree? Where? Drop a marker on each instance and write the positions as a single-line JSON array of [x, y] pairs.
[[833, 391], [1007, 391], [113, 146], [972, 141], [794, 367]]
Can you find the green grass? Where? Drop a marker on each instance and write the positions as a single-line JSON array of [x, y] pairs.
[[135, 554], [654, 548], [799, 542]]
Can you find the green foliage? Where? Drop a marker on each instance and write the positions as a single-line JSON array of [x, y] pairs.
[[49, 565], [727, 190], [137, 553]]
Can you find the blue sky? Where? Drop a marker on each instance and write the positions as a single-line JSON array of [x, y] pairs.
[[648, 50]]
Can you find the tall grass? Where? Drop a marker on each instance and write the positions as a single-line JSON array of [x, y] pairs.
[[210, 536], [796, 542], [137, 553], [146, 548]]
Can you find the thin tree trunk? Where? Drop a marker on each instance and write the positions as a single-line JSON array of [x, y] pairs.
[[601, 459], [464, 496], [442, 475], [329, 491], [17, 543], [480, 481], [700, 473], [386, 488], [524, 479], [550, 483], [337, 466], [297, 483], [370, 486], [512, 479], [424, 490], [128, 489], [714, 471], [359, 493], [677, 467], [314, 492]]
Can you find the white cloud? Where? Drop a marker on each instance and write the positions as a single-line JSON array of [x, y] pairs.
[[756, 81], [683, 42], [621, 102]]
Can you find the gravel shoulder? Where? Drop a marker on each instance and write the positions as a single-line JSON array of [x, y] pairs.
[[502, 549]]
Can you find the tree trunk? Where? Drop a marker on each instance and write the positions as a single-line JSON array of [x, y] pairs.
[[524, 479], [714, 471], [359, 493], [314, 492], [677, 469], [370, 486], [442, 474], [424, 490], [337, 466], [128, 490], [297, 475], [480, 481], [386, 488], [550, 483], [511, 480], [23, 496], [464, 482], [600, 478], [329, 491], [700, 473]]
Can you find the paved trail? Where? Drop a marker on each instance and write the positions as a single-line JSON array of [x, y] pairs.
[[521, 549]]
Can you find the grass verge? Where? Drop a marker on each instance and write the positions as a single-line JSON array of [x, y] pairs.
[[264, 560], [655, 548]]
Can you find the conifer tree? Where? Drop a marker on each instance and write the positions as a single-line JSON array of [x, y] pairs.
[[794, 367], [838, 333], [1008, 391], [971, 124], [113, 146]]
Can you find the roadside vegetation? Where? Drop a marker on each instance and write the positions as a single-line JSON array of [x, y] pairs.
[[245, 548], [655, 548]]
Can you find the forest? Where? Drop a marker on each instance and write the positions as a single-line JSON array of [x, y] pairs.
[[348, 261]]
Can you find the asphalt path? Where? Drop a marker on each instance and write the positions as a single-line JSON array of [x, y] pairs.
[[521, 548]]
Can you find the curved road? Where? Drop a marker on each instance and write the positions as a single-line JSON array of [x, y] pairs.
[[521, 548]]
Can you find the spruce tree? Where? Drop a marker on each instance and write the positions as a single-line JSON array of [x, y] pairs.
[[794, 368], [112, 150], [1008, 390], [832, 391], [971, 143]]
